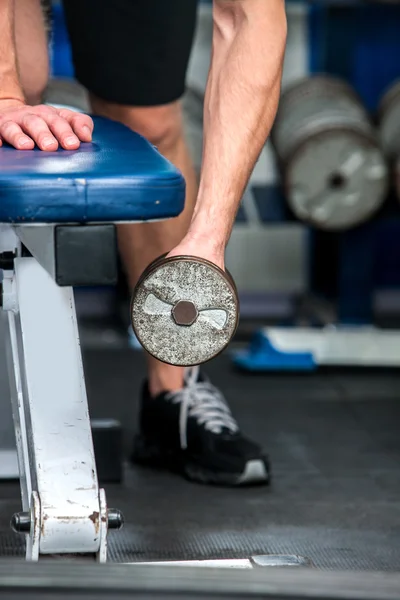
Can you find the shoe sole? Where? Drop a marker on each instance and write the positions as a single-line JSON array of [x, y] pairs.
[[149, 454]]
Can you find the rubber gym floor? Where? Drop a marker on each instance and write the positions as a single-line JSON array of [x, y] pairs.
[[334, 442]]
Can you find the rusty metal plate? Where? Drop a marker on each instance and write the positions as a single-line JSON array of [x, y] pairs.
[[184, 310]]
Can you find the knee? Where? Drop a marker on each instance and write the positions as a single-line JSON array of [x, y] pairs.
[[161, 125]]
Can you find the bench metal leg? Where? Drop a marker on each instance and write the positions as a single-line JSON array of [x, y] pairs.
[[8, 452], [64, 510]]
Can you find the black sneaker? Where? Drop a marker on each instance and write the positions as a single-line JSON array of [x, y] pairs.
[[193, 432]]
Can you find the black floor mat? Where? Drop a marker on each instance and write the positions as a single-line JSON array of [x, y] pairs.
[[335, 448]]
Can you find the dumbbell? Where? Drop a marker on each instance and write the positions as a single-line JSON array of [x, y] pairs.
[[334, 174], [389, 130], [184, 310]]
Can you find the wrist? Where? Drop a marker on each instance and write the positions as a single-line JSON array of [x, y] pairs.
[[199, 247], [10, 86], [205, 238], [10, 91], [6, 101], [209, 231]]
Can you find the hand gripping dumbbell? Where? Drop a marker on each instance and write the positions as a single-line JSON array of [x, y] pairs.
[[184, 310]]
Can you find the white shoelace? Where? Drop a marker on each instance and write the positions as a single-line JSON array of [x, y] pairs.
[[203, 401]]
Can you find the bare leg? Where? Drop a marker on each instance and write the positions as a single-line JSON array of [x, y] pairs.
[[141, 243], [31, 44]]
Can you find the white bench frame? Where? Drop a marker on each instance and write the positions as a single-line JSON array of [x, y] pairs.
[[59, 485]]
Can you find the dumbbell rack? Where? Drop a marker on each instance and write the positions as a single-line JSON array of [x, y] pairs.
[[363, 259]]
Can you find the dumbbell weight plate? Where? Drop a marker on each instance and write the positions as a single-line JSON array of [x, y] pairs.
[[337, 179], [397, 178], [389, 121], [334, 173], [184, 310]]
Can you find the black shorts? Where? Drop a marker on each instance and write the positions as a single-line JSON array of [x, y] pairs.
[[133, 52]]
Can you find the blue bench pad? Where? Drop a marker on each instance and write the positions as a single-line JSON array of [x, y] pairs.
[[117, 177]]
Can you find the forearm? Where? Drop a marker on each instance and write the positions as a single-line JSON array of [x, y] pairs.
[[9, 82], [240, 105]]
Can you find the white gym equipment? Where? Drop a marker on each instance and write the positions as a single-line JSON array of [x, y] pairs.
[[64, 511], [56, 231]]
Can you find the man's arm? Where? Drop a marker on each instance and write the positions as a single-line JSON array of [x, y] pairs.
[[24, 126], [10, 88], [240, 105]]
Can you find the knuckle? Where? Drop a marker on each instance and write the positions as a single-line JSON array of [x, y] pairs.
[[6, 118], [52, 119], [30, 119], [61, 125], [64, 113], [82, 120], [77, 120], [7, 126], [46, 108], [46, 112], [63, 121]]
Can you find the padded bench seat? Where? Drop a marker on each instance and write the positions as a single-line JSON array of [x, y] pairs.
[[117, 177]]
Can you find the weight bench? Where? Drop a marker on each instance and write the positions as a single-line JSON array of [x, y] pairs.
[[57, 215]]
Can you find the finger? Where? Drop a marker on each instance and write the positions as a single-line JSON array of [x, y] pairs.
[[38, 130], [12, 133], [81, 124], [62, 130]]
